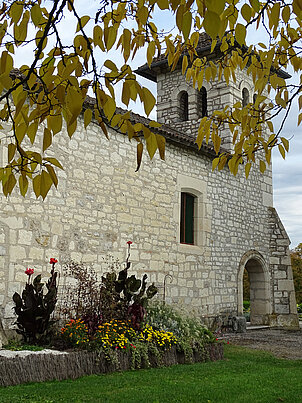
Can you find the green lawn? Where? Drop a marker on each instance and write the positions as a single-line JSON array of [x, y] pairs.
[[244, 376]]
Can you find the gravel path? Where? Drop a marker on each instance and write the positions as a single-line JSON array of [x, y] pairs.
[[282, 343]]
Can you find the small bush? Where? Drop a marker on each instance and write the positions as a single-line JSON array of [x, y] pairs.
[[75, 333], [246, 306], [165, 317]]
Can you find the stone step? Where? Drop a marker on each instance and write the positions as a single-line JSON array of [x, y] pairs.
[[255, 327]]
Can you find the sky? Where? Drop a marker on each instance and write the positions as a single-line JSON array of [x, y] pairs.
[[287, 174], [287, 181]]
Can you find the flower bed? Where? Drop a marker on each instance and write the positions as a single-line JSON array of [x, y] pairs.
[[43, 366], [110, 325]]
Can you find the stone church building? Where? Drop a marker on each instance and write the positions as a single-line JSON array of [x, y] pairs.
[[202, 228]]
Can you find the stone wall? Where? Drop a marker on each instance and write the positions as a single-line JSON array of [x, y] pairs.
[[285, 306], [101, 203]]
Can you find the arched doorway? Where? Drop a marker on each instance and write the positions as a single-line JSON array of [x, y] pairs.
[[258, 274]]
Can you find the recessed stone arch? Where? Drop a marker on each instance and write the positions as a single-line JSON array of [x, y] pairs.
[[260, 293]]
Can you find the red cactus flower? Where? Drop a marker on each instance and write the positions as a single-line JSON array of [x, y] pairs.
[[29, 271], [53, 260], [129, 243]]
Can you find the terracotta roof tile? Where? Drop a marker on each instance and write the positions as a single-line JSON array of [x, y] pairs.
[[171, 135]]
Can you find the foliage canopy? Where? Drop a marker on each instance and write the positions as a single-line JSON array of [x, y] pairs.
[[296, 261], [39, 98]]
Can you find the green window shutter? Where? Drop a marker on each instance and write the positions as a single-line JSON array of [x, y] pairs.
[[187, 219]]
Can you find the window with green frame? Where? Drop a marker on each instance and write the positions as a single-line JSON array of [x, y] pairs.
[[187, 218]]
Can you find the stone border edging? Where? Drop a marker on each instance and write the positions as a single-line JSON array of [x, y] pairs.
[[47, 367]]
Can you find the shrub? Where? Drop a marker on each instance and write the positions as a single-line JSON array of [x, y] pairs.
[[161, 316], [33, 308], [246, 306]]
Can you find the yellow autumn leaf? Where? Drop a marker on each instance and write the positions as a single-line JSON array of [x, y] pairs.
[[247, 169], [52, 175], [161, 144], [36, 14], [240, 33], [150, 52], [139, 154], [47, 138], [45, 184], [186, 24], [16, 11], [151, 143], [83, 21], [215, 163], [262, 166], [148, 100], [285, 143], [212, 23], [246, 12], [23, 184], [110, 37], [184, 64], [281, 150], [87, 117]]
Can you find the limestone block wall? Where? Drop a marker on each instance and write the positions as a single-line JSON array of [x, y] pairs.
[[169, 86], [101, 203], [285, 306]]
